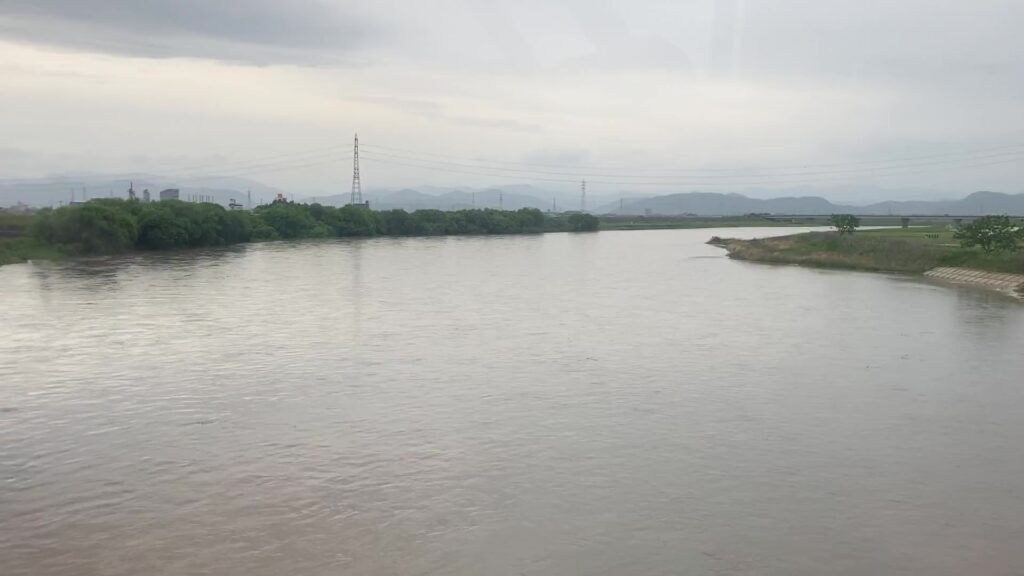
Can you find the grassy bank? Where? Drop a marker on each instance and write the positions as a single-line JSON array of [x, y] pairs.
[[658, 222], [912, 250], [16, 244], [16, 250]]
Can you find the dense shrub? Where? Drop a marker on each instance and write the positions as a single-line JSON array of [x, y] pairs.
[[290, 220], [583, 222], [108, 225], [93, 228]]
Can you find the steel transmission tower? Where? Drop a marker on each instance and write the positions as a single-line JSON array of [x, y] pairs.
[[357, 187], [583, 195]]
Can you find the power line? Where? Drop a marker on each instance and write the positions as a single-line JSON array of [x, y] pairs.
[[676, 177], [325, 156], [676, 182], [268, 169], [259, 160], [682, 175], [675, 171]]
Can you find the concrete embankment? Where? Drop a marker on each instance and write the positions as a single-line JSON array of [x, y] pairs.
[[1012, 284]]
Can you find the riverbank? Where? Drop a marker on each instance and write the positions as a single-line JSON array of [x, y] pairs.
[[687, 222], [1011, 284], [113, 226], [18, 250], [17, 244], [914, 251]]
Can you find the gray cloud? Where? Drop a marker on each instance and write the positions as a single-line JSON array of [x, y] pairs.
[[910, 40], [436, 111], [906, 41], [496, 123], [633, 82], [253, 31], [620, 47], [558, 157]]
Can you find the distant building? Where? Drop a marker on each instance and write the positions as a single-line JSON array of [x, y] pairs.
[[235, 205], [170, 194], [145, 195], [19, 208]]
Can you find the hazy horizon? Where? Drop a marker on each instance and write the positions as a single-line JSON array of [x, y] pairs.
[[644, 98]]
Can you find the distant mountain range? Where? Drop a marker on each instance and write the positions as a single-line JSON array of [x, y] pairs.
[[709, 204], [56, 190], [509, 197]]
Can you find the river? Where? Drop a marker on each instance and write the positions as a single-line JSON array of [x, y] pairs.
[[617, 403]]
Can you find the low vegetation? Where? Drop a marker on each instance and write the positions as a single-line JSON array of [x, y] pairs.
[[14, 250], [16, 245], [582, 222], [891, 250]]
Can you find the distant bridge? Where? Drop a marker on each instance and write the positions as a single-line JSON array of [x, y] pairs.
[[877, 219]]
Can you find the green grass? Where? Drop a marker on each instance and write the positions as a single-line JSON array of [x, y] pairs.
[[17, 246], [18, 250], [931, 235], [12, 224], [750, 220], [892, 250]]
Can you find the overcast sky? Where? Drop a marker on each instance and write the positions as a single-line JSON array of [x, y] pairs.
[[631, 94]]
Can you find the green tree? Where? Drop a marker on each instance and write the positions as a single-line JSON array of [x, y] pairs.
[[236, 226], [111, 225], [355, 221], [161, 229], [288, 220], [530, 220], [991, 233], [581, 222], [263, 231], [844, 223], [430, 222], [395, 223], [93, 228]]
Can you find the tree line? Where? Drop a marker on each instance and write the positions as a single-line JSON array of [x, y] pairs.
[[104, 226], [993, 233]]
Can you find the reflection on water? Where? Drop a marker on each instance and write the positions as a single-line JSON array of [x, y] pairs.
[[612, 403]]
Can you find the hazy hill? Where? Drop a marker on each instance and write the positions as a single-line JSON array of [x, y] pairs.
[[56, 190], [976, 203], [711, 204]]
